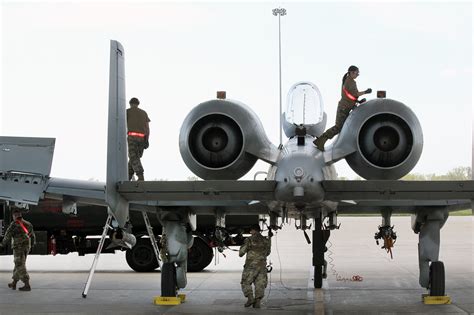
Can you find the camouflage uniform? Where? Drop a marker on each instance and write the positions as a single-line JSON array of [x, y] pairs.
[[137, 119], [21, 245], [257, 249], [343, 108], [135, 152]]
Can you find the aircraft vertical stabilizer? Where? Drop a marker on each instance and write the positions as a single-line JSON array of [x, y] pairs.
[[116, 135]]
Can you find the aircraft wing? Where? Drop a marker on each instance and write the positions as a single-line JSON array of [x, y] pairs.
[[209, 192], [368, 196], [241, 196]]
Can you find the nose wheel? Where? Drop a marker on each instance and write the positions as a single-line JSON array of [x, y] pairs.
[[318, 277], [320, 237]]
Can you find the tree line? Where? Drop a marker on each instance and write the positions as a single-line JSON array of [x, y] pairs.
[[457, 173]]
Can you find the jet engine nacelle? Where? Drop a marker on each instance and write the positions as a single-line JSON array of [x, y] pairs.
[[222, 139], [387, 138]]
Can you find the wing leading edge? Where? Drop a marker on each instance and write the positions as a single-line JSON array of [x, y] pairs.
[[405, 196]]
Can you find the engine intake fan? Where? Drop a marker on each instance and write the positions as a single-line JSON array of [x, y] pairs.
[[385, 140], [216, 141]]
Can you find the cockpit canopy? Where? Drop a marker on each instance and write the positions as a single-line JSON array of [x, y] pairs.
[[304, 107], [304, 104]]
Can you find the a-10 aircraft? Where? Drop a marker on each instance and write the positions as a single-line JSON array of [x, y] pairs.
[[220, 141]]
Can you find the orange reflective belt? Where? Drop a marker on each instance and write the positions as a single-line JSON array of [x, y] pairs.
[[24, 228], [136, 134], [349, 95]]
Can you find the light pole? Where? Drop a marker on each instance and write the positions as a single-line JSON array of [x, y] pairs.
[[280, 12]]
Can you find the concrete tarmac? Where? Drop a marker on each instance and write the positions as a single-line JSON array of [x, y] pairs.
[[387, 287]]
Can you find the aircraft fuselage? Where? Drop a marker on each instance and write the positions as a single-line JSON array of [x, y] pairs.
[[300, 171]]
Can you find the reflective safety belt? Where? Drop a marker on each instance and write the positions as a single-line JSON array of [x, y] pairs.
[[136, 134], [24, 228], [349, 95]]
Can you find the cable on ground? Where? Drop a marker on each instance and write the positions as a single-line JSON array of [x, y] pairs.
[[354, 278]]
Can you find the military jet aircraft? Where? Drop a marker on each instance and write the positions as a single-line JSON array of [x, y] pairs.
[[220, 141]]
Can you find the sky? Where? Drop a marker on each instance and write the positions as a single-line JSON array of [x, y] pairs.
[[55, 63]]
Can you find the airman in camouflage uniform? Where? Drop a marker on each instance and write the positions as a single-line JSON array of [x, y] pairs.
[[22, 237], [138, 134], [257, 249], [349, 95]]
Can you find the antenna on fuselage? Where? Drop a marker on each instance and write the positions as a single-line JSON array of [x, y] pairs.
[[279, 12]]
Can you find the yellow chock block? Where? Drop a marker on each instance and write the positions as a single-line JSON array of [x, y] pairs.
[[428, 299], [182, 297], [167, 300]]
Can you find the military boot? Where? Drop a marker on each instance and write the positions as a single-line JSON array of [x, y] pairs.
[[249, 302], [13, 285], [26, 287], [256, 304], [130, 174], [140, 177], [319, 142]]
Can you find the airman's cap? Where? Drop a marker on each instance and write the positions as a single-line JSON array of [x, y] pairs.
[[134, 100]]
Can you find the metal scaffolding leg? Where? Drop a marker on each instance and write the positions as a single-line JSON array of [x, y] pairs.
[[149, 228], [97, 254]]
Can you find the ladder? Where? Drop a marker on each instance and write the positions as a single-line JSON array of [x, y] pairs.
[[97, 255], [107, 226], [149, 229]]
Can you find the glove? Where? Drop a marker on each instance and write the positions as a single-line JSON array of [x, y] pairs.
[[270, 233], [362, 101], [147, 144], [368, 91]]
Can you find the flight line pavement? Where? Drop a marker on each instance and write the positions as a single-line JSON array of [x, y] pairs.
[[387, 287]]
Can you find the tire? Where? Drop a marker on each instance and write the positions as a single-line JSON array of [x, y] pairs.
[[199, 255], [437, 285], [318, 277], [168, 280], [141, 257]]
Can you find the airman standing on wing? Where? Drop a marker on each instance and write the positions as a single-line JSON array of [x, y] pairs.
[[22, 237], [349, 95], [257, 248], [138, 135]]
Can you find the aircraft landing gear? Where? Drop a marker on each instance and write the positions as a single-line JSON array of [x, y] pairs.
[[437, 287], [429, 223], [320, 237], [169, 286], [176, 240]]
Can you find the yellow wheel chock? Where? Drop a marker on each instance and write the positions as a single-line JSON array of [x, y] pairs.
[[169, 300], [428, 299]]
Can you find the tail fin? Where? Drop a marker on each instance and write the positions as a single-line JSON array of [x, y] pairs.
[[116, 136]]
